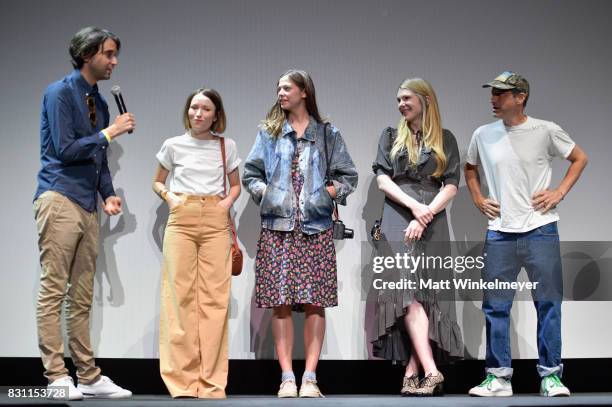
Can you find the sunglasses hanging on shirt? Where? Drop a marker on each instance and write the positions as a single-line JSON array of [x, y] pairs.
[[91, 107]]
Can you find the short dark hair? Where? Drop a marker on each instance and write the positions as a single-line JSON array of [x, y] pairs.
[[519, 91], [87, 42], [218, 125]]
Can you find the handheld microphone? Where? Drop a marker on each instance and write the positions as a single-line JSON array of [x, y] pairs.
[[116, 92]]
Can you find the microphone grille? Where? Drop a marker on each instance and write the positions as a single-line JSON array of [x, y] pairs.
[[115, 90]]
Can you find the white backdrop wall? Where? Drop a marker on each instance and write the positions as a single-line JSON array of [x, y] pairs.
[[357, 52]]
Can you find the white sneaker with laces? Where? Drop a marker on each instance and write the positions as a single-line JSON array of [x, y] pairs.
[[57, 390], [551, 386], [288, 389], [492, 386], [104, 388], [310, 389]]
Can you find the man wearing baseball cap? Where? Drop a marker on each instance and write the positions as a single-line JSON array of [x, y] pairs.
[[516, 154]]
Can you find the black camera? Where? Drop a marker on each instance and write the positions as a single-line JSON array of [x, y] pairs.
[[341, 232]]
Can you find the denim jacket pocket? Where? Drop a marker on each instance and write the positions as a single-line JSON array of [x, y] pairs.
[[276, 202], [319, 205]]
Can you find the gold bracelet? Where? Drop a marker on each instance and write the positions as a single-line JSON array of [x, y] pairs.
[[163, 194]]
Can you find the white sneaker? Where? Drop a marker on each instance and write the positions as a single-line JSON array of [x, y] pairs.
[[57, 390], [104, 388], [551, 386], [492, 386], [288, 389], [310, 389]]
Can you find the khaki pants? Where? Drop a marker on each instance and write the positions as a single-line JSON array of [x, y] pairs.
[[68, 244], [195, 292]]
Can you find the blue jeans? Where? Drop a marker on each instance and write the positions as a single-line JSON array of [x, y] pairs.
[[505, 254]]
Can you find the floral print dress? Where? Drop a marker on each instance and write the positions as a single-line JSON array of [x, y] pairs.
[[293, 268]]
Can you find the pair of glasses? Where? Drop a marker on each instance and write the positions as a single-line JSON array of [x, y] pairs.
[[499, 92], [91, 106]]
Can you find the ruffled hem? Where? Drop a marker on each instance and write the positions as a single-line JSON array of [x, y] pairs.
[[299, 306], [392, 341]]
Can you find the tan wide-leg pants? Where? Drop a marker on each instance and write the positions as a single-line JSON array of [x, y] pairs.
[[68, 244], [195, 293]]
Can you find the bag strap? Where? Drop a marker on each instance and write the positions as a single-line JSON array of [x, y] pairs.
[[327, 164], [327, 159], [231, 221]]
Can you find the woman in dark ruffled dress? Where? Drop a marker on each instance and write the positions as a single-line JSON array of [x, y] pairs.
[[417, 168]]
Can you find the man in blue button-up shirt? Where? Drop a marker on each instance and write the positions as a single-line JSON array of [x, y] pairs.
[[74, 136]]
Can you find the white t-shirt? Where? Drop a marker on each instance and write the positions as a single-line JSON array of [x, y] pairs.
[[517, 164], [196, 165]]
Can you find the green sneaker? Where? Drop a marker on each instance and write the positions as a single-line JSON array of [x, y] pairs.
[[551, 386], [492, 386]]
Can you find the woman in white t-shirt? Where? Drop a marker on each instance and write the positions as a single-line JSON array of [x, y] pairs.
[[196, 272]]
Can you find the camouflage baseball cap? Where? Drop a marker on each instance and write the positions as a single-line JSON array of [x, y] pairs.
[[508, 80]]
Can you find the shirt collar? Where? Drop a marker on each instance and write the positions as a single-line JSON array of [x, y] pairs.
[[310, 133], [82, 84]]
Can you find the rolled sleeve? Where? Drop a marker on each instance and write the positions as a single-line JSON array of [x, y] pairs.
[[164, 156], [452, 173], [232, 161], [383, 165]]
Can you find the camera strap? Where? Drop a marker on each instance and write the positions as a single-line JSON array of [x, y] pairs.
[[327, 165]]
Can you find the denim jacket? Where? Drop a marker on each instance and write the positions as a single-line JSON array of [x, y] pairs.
[[267, 177]]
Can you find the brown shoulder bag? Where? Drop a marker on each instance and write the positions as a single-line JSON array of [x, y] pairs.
[[237, 257]]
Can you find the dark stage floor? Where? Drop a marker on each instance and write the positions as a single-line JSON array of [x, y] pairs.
[[581, 399]]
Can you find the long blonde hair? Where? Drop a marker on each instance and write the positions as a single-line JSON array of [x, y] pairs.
[[431, 126], [275, 118]]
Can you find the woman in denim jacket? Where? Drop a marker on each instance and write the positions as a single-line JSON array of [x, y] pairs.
[[295, 267]]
